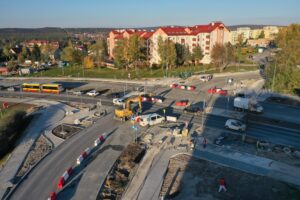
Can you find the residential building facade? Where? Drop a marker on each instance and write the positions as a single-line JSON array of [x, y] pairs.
[[116, 35], [206, 36]]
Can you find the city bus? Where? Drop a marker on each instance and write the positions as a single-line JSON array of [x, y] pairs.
[[31, 87], [52, 88]]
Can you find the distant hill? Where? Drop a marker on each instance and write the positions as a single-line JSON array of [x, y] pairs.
[[53, 33], [46, 33]]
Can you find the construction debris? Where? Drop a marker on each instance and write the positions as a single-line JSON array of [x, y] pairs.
[[122, 172]]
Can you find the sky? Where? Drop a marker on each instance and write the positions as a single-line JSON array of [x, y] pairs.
[[144, 13]]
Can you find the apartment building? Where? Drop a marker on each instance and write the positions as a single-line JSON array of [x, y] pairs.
[[270, 33], [206, 36], [116, 35]]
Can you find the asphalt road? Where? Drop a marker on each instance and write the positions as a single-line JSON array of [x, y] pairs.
[[257, 127], [44, 178]]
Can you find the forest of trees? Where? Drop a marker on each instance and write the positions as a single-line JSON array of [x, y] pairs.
[[284, 72]]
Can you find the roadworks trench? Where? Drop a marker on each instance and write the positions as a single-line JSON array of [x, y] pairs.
[[122, 172]]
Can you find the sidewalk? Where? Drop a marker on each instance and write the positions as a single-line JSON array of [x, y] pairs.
[[220, 155], [249, 163]]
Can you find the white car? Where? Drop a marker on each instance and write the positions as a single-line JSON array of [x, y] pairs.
[[152, 119], [206, 77], [78, 93], [236, 125], [92, 93]]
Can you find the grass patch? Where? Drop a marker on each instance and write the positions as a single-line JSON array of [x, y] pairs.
[[77, 71], [12, 122]]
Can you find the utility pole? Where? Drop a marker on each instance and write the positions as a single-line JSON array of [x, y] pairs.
[[203, 113]]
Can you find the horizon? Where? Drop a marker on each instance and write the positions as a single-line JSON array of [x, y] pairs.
[[134, 13], [279, 25]]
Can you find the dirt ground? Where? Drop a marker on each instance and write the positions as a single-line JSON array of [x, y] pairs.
[[122, 172], [40, 148], [198, 179]]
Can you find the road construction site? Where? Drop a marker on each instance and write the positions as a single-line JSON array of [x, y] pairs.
[[150, 144]]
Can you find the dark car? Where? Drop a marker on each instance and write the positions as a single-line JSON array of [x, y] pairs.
[[196, 110]]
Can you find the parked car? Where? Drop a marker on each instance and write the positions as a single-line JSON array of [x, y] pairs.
[[92, 93], [216, 90], [11, 89], [79, 93], [206, 77], [196, 110], [151, 119], [236, 125]]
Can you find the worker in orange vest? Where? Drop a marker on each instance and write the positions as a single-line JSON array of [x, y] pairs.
[[222, 185]]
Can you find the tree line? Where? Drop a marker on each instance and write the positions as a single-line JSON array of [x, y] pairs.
[[133, 50], [284, 71]]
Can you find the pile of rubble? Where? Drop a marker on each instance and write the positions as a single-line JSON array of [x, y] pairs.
[[124, 168], [172, 182]]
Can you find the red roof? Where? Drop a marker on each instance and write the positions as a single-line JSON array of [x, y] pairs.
[[147, 35], [172, 30], [205, 28]]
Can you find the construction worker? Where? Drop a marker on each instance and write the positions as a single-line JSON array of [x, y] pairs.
[[222, 185]]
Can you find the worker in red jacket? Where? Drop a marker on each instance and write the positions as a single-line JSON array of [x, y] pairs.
[[222, 185]]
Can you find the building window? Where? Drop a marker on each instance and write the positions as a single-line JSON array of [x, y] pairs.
[[182, 41], [194, 45], [194, 39], [207, 42], [206, 48], [208, 37]]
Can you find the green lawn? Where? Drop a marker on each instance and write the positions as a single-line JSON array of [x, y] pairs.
[[76, 71]]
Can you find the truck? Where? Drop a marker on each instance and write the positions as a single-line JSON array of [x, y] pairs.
[[240, 104], [151, 119]]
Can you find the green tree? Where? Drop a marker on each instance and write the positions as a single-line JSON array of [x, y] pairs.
[[25, 52], [222, 55], [167, 53], [261, 35], [119, 54], [183, 54], [197, 54], [99, 51], [283, 74], [134, 49], [36, 53], [68, 53], [6, 52]]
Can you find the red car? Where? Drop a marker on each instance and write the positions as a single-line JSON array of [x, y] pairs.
[[182, 103], [219, 91]]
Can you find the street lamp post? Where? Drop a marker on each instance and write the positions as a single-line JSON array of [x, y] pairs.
[[203, 113]]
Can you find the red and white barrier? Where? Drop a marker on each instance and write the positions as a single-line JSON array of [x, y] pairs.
[[191, 88], [83, 155], [182, 87], [63, 179], [52, 196], [173, 85], [100, 139]]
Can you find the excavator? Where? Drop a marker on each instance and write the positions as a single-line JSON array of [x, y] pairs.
[[125, 113]]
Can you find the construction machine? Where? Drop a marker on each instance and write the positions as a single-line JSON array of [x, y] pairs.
[[126, 112]]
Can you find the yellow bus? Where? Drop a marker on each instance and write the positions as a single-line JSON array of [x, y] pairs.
[[52, 88], [31, 87]]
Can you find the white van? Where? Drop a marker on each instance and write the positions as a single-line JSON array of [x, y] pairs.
[[152, 119]]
